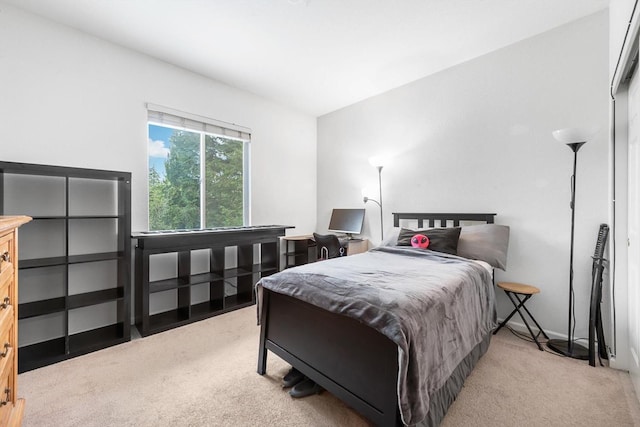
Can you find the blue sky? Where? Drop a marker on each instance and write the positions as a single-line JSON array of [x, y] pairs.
[[158, 147]]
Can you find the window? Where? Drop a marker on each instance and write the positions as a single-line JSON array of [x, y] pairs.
[[198, 172]]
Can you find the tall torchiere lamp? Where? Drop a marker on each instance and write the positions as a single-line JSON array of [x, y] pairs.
[[574, 138], [378, 163]]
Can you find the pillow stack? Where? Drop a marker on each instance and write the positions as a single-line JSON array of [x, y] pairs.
[[484, 242]]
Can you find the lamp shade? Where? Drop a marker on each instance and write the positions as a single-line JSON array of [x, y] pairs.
[[574, 135]]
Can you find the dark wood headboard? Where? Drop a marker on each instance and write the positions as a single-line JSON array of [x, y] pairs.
[[443, 218]]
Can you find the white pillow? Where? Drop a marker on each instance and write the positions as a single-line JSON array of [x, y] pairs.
[[392, 237]]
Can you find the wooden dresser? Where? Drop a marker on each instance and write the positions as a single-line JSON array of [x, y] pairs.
[[11, 408]]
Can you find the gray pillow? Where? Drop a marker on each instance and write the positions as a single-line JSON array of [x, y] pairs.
[[485, 242]]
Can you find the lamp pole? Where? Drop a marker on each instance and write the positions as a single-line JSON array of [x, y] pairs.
[[377, 162], [575, 147], [380, 198]]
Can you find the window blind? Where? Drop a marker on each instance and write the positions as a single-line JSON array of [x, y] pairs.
[[181, 120]]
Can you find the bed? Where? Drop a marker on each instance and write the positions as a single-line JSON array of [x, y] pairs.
[[358, 347]]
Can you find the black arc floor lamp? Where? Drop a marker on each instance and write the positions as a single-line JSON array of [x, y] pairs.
[[574, 138], [377, 162]]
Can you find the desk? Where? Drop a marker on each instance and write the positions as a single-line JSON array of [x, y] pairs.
[[301, 249]]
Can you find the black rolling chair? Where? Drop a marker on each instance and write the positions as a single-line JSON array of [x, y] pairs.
[[328, 246]]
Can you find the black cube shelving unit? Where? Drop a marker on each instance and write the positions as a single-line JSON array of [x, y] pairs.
[[236, 258], [74, 275]]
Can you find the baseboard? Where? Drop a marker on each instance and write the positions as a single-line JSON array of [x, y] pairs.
[[520, 327]]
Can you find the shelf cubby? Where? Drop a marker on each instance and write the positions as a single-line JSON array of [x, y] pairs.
[[94, 298], [97, 339], [42, 354]]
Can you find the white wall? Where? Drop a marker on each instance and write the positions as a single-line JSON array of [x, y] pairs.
[[71, 99], [477, 138]]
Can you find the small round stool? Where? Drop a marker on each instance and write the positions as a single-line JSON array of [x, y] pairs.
[[515, 291]]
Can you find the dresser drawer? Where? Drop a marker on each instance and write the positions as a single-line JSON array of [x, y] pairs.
[[7, 346], [6, 396], [6, 305], [6, 251], [6, 281], [7, 382]]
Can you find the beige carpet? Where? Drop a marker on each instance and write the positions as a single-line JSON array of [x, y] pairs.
[[204, 374]]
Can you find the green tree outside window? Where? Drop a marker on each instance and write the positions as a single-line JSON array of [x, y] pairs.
[[175, 185]]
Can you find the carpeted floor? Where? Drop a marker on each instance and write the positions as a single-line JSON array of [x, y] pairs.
[[204, 374]]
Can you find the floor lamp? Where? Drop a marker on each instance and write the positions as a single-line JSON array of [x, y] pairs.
[[378, 164], [574, 138]]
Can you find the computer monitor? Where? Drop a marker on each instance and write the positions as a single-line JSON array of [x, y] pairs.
[[347, 221]]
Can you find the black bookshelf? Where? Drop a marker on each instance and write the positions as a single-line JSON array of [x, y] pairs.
[[229, 287], [81, 219]]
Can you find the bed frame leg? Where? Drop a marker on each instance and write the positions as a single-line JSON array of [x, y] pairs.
[[262, 349], [262, 359]]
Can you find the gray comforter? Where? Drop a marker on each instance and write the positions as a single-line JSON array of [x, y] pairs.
[[435, 307]]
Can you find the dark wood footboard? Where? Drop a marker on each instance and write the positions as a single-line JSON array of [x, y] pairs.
[[354, 362]]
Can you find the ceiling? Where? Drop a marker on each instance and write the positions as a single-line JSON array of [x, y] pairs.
[[316, 56]]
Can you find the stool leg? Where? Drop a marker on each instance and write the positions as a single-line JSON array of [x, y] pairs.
[[534, 321], [523, 318]]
